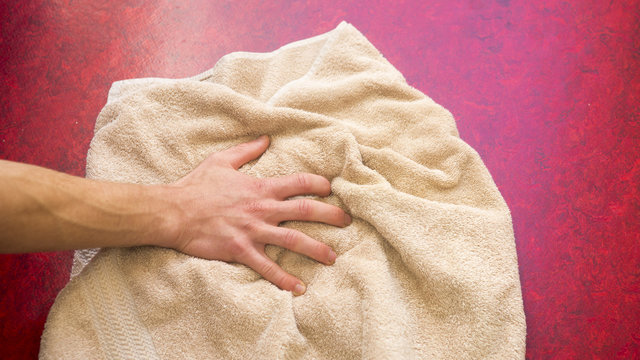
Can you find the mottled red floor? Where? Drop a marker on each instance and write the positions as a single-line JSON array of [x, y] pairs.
[[547, 93]]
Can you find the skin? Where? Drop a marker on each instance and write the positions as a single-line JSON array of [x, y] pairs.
[[215, 212]]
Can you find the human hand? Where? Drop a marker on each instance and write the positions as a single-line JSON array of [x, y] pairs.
[[230, 216]]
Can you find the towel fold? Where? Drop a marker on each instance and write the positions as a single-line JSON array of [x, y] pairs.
[[427, 269]]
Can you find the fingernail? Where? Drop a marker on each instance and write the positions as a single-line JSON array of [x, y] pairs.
[[347, 219], [332, 257], [299, 289], [262, 138]]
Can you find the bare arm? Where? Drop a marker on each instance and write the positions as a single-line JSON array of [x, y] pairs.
[[215, 212]]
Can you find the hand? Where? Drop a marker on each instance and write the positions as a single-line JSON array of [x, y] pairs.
[[229, 216]]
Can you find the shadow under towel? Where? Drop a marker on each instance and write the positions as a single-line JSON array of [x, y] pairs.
[[427, 269]]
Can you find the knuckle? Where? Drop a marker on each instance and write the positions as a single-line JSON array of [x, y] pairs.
[[338, 215], [255, 207], [213, 159], [321, 249], [236, 248], [290, 239], [242, 147], [263, 185], [282, 280], [268, 270], [304, 207], [251, 227], [326, 184], [303, 181]]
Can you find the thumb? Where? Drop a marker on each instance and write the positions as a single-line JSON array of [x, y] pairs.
[[245, 152]]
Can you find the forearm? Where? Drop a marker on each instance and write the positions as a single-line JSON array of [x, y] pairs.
[[44, 210]]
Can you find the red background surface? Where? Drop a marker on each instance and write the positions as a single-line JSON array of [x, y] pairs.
[[547, 92]]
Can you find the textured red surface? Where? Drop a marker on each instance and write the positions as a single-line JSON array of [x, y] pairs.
[[546, 92]]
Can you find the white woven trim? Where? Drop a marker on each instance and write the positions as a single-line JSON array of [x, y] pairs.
[[119, 329], [81, 258]]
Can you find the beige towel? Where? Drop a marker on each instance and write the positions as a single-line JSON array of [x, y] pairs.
[[428, 268]]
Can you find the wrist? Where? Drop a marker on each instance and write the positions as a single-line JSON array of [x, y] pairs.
[[166, 227]]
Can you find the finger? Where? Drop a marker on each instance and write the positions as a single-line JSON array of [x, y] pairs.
[[311, 210], [245, 152], [300, 184], [273, 273], [298, 242]]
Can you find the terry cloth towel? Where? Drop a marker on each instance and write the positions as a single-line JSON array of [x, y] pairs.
[[427, 269]]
